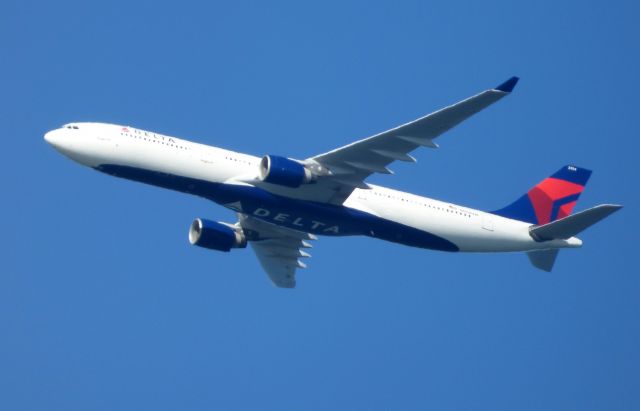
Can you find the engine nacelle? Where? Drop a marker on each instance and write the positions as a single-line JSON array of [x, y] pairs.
[[284, 171], [216, 236]]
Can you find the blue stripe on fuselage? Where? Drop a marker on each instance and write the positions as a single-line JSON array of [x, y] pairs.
[[308, 216]]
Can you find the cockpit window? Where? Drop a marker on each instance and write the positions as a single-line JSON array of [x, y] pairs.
[[70, 126]]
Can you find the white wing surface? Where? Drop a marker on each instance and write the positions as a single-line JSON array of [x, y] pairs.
[[278, 249], [352, 164]]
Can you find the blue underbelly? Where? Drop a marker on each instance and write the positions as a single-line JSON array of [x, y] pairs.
[[308, 216]]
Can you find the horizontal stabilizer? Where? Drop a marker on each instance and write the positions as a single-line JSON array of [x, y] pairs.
[[543, 259], [570, 226]]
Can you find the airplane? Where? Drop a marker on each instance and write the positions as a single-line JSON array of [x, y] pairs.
[[282, 203]]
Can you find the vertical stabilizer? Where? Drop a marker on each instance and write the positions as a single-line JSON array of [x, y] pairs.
[[551, 199]]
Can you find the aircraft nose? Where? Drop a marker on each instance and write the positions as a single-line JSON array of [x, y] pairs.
[[60, 140], [50, 137]]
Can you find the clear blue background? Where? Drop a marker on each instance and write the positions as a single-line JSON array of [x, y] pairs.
[[104, 305]]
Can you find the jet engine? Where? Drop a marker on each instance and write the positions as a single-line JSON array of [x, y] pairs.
[[216, 236], [285, 172]]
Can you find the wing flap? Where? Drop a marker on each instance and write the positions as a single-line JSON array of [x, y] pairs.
[[278, 249], [281, 272]]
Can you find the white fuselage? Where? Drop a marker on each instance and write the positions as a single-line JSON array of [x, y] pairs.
[[223, 175]]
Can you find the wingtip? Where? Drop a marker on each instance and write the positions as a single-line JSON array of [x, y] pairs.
[[509, 85], [609, 206]]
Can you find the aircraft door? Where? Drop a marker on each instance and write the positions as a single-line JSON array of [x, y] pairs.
[[487, 222]]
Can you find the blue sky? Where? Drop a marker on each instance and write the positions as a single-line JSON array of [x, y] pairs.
[[104, 305]]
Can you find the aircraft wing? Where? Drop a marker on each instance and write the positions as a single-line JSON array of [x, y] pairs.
[[352, 164], [278, 249]]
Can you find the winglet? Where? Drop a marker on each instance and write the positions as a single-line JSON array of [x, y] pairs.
[[509, 85]]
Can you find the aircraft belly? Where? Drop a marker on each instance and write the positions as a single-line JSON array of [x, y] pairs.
[[335, 220], [414, 229], [307, 216]]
